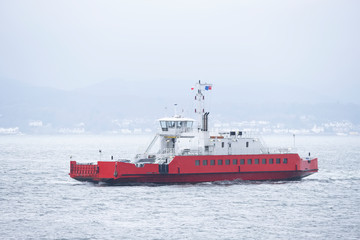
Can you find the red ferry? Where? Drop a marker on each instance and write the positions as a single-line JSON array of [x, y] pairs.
[[190, 154]]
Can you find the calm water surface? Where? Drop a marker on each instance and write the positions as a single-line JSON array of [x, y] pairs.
[[38, 200]]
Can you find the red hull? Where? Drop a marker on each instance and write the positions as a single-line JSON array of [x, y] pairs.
[[185, 169]]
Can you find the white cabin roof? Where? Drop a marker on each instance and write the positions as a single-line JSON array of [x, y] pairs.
[[176, 119]]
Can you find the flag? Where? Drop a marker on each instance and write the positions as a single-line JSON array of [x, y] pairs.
[[207, 88]]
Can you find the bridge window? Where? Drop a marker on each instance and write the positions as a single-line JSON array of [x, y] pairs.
[[187, 124], [242, 161], [249, 161], [163, 125], [212, 162], [264, 161], [197, 162], [256, 161], [285, 160], [271, 161], [220, 162], [235, 161], [278, 161], [170, 124], [227, 161], [184, 125], [205, 162]]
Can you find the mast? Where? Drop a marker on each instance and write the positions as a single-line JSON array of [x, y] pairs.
[[202, 116]]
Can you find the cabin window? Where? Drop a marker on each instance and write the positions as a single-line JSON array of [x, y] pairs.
[[179, 124], [212, 162], [197, 162], [235, 161], [285, 160], [222, 144], [264, 161], [242, 161], [247, 144], [220, 162], [249, 161], [163, 125], [256, 161], [278, 161], [188, 124], [205, 162], [170, 124], [227, 161], [271, 161]]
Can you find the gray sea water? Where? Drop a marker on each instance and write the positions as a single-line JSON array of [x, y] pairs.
[[38, 200]]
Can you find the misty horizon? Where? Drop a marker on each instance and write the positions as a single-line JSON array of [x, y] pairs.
[[94, 62]]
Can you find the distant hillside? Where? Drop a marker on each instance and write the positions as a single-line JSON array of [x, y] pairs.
[[116, 104]]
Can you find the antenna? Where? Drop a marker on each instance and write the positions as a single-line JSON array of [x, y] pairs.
[[294, 139], [175, 110]]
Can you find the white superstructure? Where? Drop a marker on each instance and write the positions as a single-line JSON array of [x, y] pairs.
[[185, 136]]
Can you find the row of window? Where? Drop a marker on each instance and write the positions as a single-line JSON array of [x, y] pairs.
[[242, 161], [223, 144]]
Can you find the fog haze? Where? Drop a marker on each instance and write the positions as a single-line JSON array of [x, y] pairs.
[[286, 54]]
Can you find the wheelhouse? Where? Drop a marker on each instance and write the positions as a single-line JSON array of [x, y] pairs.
[[176, 124]]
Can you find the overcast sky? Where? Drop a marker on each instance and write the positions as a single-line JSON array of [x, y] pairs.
[[72, 44]]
